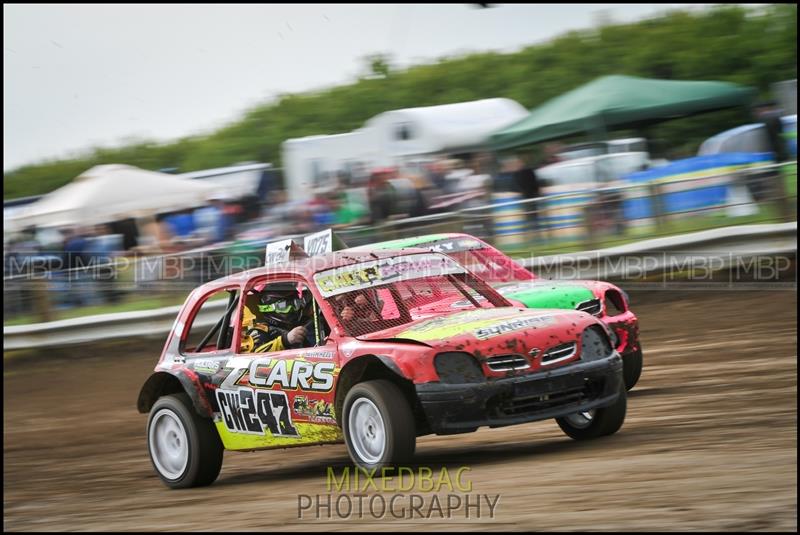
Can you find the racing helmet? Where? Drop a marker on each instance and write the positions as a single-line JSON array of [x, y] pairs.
[[281, 305]]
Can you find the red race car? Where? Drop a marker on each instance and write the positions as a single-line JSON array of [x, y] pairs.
[[367, 347]]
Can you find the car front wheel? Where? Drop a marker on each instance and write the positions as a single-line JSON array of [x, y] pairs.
[[596, 422], [632, 367], [378, 425], [184, 447]]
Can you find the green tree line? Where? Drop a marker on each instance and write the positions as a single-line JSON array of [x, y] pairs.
[[751, 46]]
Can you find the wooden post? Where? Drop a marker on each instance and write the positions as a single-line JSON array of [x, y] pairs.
[[41, 299]]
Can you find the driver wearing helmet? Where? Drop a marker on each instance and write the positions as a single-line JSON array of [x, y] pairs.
[[366, 306], [279, 322]]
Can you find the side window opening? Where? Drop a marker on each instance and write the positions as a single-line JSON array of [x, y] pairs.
[[271, 310], [204, 336]]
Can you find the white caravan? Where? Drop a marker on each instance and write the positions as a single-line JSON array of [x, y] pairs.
[[399, 138]]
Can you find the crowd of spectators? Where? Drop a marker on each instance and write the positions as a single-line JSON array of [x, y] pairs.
[[359, 197], [421, 188]]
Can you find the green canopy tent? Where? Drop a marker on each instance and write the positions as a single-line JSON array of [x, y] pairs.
[[618, 101]]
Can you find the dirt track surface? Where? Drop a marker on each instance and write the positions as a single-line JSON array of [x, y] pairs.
[[709, 443]]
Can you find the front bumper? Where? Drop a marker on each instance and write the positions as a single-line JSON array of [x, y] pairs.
[[459, 408]]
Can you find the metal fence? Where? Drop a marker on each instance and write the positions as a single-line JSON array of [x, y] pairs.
[[36, 289], [606, 216]]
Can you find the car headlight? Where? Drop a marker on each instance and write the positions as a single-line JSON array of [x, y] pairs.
[[458, 368]]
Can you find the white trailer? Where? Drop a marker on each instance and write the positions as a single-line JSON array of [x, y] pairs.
[[394, 138], [311, 163]]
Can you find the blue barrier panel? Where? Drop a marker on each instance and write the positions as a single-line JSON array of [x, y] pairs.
[[562, 217], [510, 222], [690, 184]]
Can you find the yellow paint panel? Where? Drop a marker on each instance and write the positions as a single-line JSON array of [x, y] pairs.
[[310, 433]]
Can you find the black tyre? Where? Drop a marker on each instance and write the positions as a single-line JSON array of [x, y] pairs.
[[378, 425], [597, 422], [185, 448], [632, 368]]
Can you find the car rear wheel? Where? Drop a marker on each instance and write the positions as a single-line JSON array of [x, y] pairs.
[[378, 425], [596, 422], [632, 368], [184, 447]]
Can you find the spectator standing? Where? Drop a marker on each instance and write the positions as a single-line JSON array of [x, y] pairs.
[[437, 172], [75, 245], [527, 184], [207, 220], [456, 177], [551, 153], [104, 248], [769, 185], [351, 209], [181, 224], [769, 114], [479, 180], [322, 209], [423, 190], [380, 195], [525, 178], [75, 258], [505, 181], [223, 228]]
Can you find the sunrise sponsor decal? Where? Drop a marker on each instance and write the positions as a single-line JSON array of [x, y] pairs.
[[378, 272]]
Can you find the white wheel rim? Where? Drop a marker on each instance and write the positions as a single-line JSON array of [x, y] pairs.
[[169, 444], [367, 431], [581, 420]]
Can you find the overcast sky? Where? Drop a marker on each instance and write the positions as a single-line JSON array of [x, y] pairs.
[[76, 76]]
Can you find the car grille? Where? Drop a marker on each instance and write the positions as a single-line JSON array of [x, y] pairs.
[[559, 353], [592, 306], [532, 404], [504, 363]]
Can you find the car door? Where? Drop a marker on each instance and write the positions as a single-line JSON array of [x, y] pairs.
[[207, 342], [281, 398]]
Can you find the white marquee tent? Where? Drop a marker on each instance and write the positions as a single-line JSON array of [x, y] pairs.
[[108, 193]]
